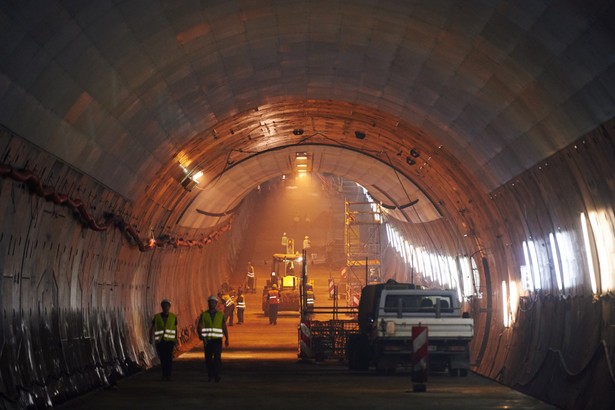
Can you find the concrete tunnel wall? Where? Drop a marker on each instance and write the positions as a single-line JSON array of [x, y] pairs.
[[76, 302], [559, 343], [490, 93]]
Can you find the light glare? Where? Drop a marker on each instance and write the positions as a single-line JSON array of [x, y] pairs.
[[588, 252]]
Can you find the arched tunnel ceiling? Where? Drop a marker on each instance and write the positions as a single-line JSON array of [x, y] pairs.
[[118, 89], [221, 193]]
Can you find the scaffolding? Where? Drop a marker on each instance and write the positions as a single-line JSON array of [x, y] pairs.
[[363, 247]]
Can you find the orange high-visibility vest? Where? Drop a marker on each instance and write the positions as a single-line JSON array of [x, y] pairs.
[[273, 297]]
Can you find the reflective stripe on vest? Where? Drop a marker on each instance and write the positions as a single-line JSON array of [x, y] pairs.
[[241, 303], [273, 297], [212, 329], [250, 274], [229, 302], [165, 331]]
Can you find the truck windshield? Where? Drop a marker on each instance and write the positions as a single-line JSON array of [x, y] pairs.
[[417, 303]]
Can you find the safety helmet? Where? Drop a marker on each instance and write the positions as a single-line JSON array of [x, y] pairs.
[[274, 286], [307, 237], [165, 301], [212, 297]]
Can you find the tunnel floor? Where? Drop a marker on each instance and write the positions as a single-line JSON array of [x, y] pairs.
[[284, 384], [261, 370]]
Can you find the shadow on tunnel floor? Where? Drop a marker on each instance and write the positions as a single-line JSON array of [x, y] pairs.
[[281, 381]]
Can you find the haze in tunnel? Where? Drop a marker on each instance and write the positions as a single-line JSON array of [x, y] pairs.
[[135, 136], [298, 206]]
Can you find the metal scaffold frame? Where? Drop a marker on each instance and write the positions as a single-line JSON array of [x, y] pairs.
[[362, 232]]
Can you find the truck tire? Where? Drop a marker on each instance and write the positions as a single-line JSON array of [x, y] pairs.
[[351, 351], [358, 352], [419, 387]]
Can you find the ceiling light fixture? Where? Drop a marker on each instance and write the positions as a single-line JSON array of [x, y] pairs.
[[298, 131], [302, 163], [410, 161], [191, 179], [360, 135]]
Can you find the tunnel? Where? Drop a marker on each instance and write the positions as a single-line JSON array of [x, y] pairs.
[[141, 142]]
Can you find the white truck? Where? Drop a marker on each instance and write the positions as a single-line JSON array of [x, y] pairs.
[[387, 313]]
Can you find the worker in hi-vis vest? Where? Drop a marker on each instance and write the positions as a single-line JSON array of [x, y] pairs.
[[251, 279], [212, 327], [241, 306], [163, 333], [309, 299], [273, 299]]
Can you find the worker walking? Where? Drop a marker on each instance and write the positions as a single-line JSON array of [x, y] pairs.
[[241, 306], [273, 300], [251, 279], [229, 308], [163, 332], [212, 328]]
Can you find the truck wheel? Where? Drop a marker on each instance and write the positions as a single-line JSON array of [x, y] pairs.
[[350, 352], [358, 352], [419, 387], [363, 353], [453, 372]]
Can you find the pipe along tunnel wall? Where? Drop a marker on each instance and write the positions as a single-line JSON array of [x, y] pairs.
[[76, 302]]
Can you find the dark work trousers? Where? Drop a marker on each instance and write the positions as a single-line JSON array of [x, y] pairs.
[[229, 313], [240, 315], [165, 354], [273, 314], [213, 357]]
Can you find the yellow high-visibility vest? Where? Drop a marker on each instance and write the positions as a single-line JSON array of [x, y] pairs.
[[165, 331], [309, 297], [212, 329]]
